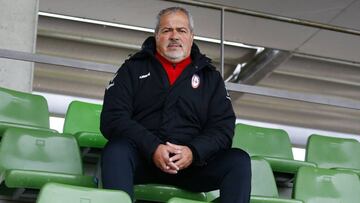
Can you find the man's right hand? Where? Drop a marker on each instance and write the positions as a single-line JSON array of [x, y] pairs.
[[161, 158]]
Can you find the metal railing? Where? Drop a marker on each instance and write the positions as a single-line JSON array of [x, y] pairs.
[[264, 91]]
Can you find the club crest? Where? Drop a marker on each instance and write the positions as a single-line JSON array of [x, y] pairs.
[[195, 81]]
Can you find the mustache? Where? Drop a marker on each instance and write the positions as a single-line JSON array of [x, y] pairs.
[[174, 43]]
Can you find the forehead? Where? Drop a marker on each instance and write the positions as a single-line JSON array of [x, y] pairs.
[[174, 20]]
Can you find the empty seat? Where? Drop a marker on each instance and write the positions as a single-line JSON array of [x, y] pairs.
[[19, 109], [272, 144], [317, 185], [332, 152], [263, 185], [83, 121], [30, 158], [60, 193]]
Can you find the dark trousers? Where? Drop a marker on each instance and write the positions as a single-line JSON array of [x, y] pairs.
[[229, 171]]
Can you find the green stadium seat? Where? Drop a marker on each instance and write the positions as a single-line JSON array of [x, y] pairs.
[[30, 158], [83, 121], [333, 152], [61, 193], [19, 109], [163, 193], [318, 185], [182, 200], [272, 144], [263, 185]]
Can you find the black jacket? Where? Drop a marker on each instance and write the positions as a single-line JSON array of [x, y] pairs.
[[140, 105]]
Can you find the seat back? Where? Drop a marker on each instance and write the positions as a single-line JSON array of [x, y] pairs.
[[28, 149], [82, 117], [259, 141], [317, 185], [23, 109], [262, 178], [333, 152], [60, 193]]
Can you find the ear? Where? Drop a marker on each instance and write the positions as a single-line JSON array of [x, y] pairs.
[[192, 37]]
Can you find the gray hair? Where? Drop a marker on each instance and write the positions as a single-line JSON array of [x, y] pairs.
[[174, 10]]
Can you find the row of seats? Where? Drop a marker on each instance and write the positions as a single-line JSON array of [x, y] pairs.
[[27, 112], [274, 146], [30, 111], [312, 185]]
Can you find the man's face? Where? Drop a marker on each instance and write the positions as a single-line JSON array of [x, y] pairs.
[[174, 38]]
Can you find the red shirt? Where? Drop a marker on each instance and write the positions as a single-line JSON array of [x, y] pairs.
[[173, 70]]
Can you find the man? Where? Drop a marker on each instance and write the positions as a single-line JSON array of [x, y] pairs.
[[169, 120]]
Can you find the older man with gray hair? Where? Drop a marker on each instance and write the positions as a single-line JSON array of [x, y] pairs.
[[169, 119]]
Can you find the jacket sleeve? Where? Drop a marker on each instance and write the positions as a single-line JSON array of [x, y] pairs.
[[116, 116], [218, 131]]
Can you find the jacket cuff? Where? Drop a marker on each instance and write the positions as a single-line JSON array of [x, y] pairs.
[[196, 157], [150, 150]]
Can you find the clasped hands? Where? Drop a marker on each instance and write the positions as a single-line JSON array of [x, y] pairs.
[[170, 158]]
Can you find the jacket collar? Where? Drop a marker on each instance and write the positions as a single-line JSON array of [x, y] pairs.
[[148, 49]]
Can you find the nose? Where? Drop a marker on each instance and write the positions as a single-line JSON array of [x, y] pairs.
[[174, 35]]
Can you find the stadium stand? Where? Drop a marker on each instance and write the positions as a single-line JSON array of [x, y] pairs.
[[83, 121], [60, 193], [30, 158], [25, 110], [317, 185], [272, 144], [333, 152]]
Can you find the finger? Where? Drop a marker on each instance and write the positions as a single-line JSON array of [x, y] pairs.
[[173, 150], [181, 163], [163, 166], [184, 162], [178, 147], [176, 157], [170, 171], [173, 166]]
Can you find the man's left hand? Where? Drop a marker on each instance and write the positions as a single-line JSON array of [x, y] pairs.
[[182, 159]]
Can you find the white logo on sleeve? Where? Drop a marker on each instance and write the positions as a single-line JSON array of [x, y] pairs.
[[144, 76], [111, 83], [195, 81], [227, 95]]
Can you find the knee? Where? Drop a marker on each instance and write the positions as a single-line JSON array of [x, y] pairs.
[[240, 159], [118, 149]]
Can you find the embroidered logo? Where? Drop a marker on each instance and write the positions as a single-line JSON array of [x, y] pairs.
[[144, 76], [195, 81]]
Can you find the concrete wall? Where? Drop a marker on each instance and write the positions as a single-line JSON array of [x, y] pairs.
[[18, 25]]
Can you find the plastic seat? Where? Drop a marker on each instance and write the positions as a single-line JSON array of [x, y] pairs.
[[83, 121], [272, 144], [182, 200], [163, 193], [317, 185], [263, 185], [60, 193], [30, 158], [332, 152], [19, 109]]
